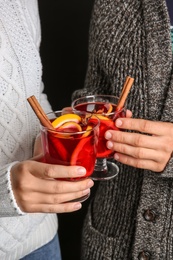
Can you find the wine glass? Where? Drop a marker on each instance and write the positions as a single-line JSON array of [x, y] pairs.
[[73, 141], [104, 106]]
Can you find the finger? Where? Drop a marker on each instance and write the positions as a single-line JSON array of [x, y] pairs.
[[139, 163], [143, 126], [139, 152], [128, 113], [58, 186], [133, 139], [43, 170], [60, 208], [54, 199]]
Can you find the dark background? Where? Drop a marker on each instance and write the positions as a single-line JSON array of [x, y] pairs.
[[64, 52], [64, 49]]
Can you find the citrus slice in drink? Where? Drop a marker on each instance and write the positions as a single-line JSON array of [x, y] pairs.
[[84, 155], [87, 131], [102, 117], [107, 109], [70, 127], [66, 118], [55, 145]]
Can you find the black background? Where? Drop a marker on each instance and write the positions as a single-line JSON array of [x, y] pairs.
[[65, 25], [64, 52]]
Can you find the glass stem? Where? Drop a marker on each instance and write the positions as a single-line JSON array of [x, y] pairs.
[[101, 165]]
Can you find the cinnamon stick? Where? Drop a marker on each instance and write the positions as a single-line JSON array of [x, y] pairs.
[[125, 91], [44, 120], [125, 85]]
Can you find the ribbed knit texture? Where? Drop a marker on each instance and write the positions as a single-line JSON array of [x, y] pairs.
[[20, 77], [172, 37], [131, 38]]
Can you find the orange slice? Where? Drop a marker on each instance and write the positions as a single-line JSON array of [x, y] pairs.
[[70, 127], [66, 118], [84, 155], [102, 117], [100, 111], [108, 107], [55, 146], [89, 127]]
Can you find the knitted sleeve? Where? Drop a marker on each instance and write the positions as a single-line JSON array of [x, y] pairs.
[[8, 205], [133, 50], [20, 77]]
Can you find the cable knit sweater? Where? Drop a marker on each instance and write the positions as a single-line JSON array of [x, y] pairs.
[[131, 216], [20, 77]]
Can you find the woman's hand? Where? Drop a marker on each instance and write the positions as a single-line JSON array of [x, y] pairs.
[[36, 190], [150, 149]]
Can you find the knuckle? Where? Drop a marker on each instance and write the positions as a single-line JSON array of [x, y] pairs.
[[24, 198], [121, 136], [139, 153], [51, 209], [56, 200], [22, 187], [139, 164], [127, 160], [23, 167], [56, 187], [138, 140], [122, 149], [145, 126], [48, 171]]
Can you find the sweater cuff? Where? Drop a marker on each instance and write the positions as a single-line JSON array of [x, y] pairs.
[[8, 204]]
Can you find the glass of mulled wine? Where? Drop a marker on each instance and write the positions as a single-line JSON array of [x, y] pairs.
[[73, 142], [104, 107]]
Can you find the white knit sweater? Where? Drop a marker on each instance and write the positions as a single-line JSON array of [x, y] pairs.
[[20, 77]]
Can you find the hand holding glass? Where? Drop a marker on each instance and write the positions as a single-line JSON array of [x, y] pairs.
[[74, 141]]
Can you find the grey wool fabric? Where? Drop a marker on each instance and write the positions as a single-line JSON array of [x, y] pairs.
[[131, 216]]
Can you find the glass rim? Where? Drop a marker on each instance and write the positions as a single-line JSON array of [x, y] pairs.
[[97, 95], [70, 133]]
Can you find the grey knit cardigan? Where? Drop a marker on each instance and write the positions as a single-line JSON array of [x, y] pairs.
[[131, 216]]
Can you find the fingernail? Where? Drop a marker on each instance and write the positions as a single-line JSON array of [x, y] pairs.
[[118, 122], [116, 157], [81, 171], [77, 206], [108, 135], [90, 183], [109, 144], [85, 192]]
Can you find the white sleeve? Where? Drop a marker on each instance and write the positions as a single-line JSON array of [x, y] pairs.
[[8, 205]]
